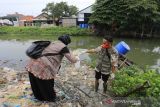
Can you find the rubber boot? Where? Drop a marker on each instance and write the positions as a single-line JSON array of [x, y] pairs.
[[104, 87], [96, 85]]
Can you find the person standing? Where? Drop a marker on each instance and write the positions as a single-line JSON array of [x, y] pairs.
[[107, 62], [42, 71]]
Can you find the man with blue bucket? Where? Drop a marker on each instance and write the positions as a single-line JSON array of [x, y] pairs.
[[107, 62]]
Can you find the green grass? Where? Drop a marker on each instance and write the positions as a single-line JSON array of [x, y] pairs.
[[39, 33]]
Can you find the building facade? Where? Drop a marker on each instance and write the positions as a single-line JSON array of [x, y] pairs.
[[83, 16]]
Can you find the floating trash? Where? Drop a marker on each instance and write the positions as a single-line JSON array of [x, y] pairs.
[[156, 50], [145, 50]]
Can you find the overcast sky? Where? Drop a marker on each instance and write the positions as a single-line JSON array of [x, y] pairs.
[[34, 7]]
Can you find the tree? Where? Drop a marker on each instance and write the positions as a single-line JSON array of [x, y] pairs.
[[120, 15], [72, 10], [49, 9], [59, 10]]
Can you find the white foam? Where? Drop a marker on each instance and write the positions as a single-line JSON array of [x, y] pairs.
[[156, 50]]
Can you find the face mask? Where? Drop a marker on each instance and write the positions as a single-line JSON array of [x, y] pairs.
[[105, 45]]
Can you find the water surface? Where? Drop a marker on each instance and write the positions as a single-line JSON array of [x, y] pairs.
[[143, 52]]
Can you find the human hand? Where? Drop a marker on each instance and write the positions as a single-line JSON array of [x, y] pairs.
[[113, 69]]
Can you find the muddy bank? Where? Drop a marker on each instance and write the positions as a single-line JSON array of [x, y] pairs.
[[75, 88]]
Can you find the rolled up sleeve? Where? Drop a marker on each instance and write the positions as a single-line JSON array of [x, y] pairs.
[[114, 57], [98, 49]]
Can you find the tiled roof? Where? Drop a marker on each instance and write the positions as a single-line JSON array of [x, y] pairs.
[[27, 18]]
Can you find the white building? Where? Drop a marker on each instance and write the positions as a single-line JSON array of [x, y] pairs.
[[84, 14]]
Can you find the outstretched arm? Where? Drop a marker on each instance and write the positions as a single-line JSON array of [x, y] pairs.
[[71, 57], [94, 50], [65, 51], [90, 51]]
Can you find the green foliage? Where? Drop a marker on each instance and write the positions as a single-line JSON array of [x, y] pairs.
[[137, 15], [61, 9], [72, 10], [49, 9], [128, 78]]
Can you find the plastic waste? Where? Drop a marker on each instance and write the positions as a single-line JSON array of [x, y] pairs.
[[83, 56], [83, 52], [6, 104], [77, 64], [61, 94], [84, 69], [112, 76], [26, 82], [156, 50]]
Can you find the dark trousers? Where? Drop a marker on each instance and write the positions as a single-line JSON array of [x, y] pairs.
[[43, 90], [99, 75]]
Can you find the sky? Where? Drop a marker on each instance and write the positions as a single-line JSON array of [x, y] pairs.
[[34, 7]]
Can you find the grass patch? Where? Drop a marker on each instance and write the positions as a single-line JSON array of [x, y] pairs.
[[8, 32]]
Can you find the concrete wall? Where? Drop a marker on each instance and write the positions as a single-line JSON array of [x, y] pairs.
[[67, 22]]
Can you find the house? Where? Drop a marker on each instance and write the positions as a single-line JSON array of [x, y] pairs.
[[26, 21], [83, 16], [81, 20], [42, 16], [42, 19]]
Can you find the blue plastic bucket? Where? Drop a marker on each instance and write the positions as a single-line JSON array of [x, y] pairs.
[[83, 26], [86, 25], [122, 48], [80, 25]]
